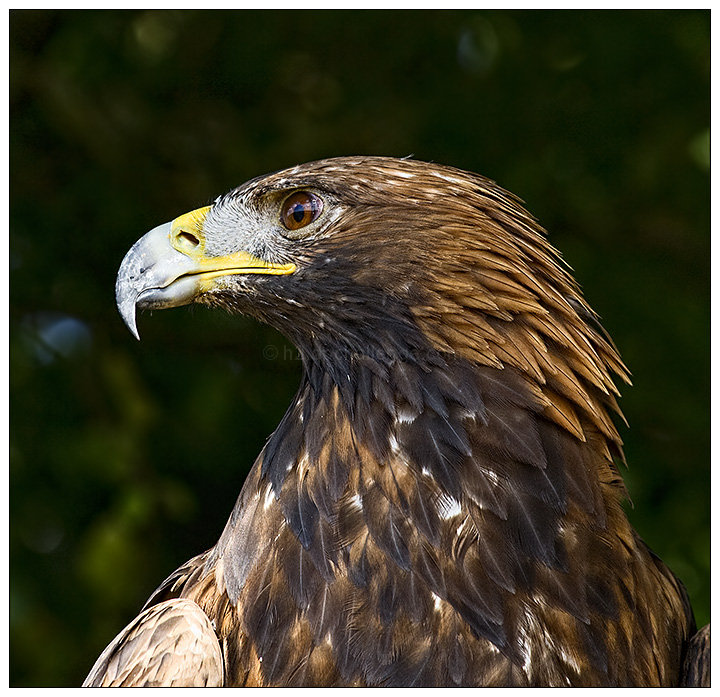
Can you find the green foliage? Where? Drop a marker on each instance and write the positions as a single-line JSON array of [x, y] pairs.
[[126, 458]]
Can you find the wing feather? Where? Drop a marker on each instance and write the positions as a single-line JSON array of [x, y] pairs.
[[171, 644]]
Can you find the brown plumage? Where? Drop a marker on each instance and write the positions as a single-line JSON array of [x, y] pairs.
[[441, 504]]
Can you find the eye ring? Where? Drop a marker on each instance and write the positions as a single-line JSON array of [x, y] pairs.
[[300, 209]]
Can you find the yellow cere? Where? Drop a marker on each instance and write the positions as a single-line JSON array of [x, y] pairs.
[[186, 231], [187, 237], [192, 221]]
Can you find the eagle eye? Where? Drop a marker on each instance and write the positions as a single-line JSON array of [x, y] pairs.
[[300, 209]]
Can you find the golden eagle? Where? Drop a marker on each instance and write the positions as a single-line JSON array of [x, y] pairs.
[[441, 503]]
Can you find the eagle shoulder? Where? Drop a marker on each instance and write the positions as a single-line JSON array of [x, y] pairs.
[[170, 644]]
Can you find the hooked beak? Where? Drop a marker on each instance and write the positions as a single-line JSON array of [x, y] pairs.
[[168, 267]]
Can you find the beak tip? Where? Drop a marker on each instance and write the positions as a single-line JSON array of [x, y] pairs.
[[126, 307], [131, 325]]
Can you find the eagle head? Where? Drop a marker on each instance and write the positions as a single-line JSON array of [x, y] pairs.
[[380, 259]]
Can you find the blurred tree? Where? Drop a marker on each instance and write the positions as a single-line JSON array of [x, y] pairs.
[[126, 458]]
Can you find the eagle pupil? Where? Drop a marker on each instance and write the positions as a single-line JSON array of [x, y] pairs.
[[299, 213]]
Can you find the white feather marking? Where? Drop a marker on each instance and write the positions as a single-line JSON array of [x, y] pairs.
[[404, 416], [467, 414], [526, 641], [460, 528], [535, 641], [269, 497], [280, 529], [303, 464], [492, 476], [437, 600], [448, 507], [394, 445], [569, 661], [448, 178], [356, 502]]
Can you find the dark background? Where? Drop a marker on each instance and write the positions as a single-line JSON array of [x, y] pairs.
[[126, 457]]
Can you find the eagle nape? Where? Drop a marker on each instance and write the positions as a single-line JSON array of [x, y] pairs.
[[441, 503]]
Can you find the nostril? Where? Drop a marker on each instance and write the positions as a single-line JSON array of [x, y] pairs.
[[188, 239]]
